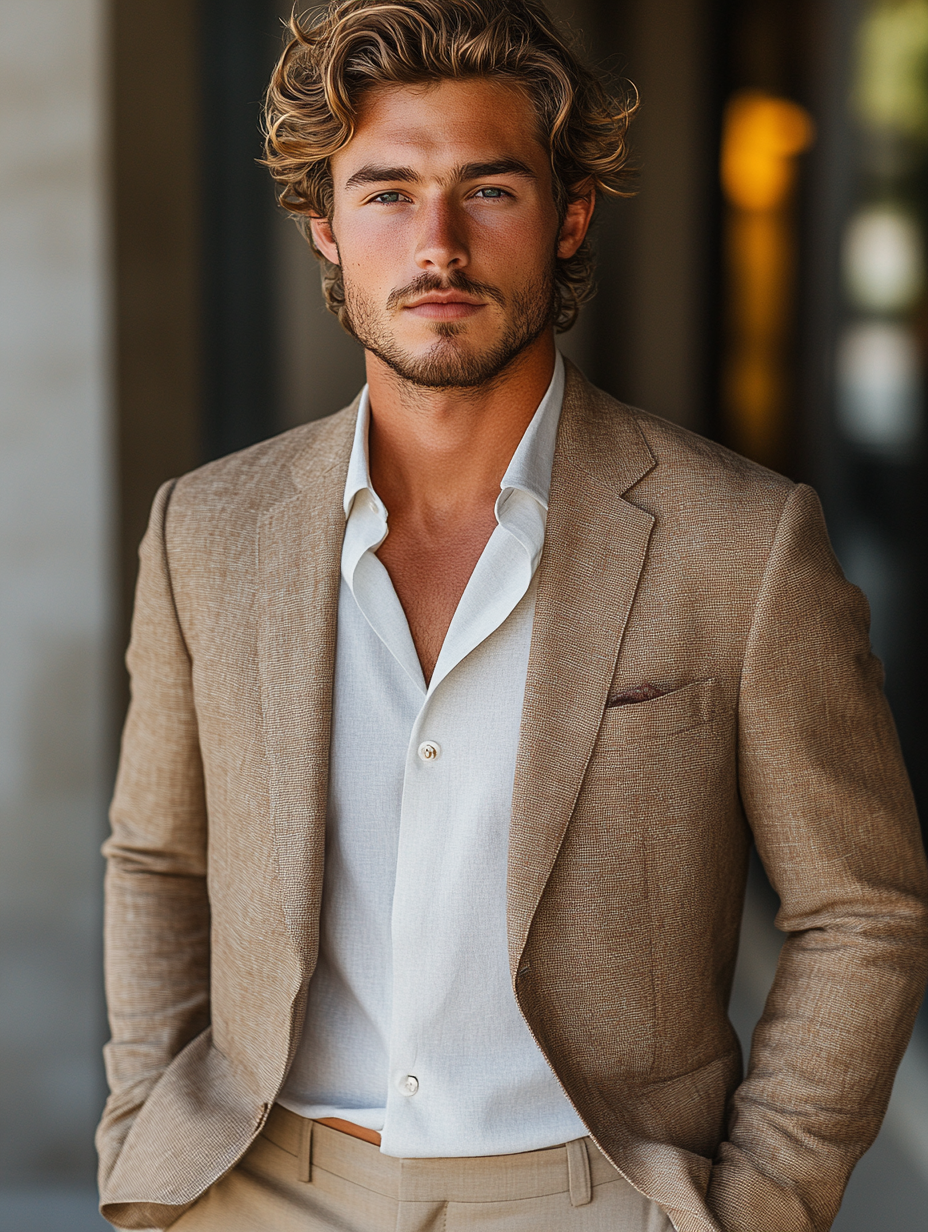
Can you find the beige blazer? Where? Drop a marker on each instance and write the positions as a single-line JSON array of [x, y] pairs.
[[667, 561]]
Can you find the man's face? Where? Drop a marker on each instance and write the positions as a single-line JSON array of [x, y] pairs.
[[446, 230]]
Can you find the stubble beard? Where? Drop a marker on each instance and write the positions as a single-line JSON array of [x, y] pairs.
[[449, 363]]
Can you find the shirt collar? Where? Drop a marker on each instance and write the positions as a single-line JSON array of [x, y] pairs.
[[359, 471], [530, 468], [528, 471]]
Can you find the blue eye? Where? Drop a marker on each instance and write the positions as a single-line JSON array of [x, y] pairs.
[[388, 198], [492, 194]]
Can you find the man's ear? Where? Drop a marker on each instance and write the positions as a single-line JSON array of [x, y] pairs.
[[577, 218], [324, 238]]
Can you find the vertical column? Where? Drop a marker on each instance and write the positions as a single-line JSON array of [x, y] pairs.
[[653, 313], [155, 119], [239, 41], [55, 600]]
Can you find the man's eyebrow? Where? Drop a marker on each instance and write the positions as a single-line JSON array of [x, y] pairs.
[[372, 174], [501, 166]]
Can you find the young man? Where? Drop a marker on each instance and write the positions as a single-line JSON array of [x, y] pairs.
[[454, 716]]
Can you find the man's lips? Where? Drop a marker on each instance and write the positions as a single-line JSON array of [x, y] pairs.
[[438, 307]]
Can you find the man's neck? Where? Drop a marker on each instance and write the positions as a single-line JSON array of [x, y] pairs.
[[436, 460], [439, 455]]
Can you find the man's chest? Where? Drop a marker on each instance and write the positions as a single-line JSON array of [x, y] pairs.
[[429, 573]]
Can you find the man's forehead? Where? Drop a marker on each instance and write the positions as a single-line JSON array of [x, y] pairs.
[[442, 128]]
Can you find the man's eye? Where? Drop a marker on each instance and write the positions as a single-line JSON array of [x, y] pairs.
[[388, 198], [491, 194]]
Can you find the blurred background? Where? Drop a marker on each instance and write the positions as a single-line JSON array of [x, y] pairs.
[[766, 287]]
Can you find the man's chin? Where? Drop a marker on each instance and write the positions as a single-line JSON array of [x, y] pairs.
[[449, 363]]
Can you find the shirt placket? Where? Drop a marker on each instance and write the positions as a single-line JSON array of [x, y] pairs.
[[411, 1084]]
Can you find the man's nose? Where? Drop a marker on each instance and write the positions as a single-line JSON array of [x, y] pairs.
[[441, 245]]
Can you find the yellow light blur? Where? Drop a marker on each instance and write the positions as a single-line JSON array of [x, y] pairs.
[[762, 135], [761, 139]]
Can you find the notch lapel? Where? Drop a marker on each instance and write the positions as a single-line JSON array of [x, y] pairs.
[[595, 548], [299, 555]]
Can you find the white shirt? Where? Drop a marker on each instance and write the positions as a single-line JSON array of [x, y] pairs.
[[412, 1027]]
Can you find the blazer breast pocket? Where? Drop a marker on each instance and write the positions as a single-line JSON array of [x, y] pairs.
[[680, 710]]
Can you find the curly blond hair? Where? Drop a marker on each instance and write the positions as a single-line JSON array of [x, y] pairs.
[[355, 45]]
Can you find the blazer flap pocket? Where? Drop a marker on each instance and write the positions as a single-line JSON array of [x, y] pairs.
[[677, 711]]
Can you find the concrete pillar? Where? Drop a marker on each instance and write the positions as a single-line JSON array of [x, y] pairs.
[[55, 593]]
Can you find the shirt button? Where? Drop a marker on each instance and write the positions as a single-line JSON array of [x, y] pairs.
[[429, 750], [408, 1084]]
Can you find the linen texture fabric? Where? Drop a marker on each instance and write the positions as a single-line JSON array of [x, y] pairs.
[[351, 1186], [668, 561]]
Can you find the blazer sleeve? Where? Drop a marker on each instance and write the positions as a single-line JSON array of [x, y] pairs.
[[157, 909], [827, 796]]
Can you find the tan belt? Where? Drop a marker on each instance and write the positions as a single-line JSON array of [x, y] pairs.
[[349, 1127]]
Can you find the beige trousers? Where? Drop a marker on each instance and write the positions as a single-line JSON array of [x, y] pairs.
[[303, 1177]]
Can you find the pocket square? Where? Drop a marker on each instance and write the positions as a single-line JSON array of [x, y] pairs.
[[640, 693]]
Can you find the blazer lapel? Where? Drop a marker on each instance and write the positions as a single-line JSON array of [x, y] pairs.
[[595, 547], [299, 554]]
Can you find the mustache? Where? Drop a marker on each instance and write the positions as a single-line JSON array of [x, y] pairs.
[[456, 281]]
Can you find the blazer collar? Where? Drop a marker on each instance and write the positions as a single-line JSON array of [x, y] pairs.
[[322, 460], [595, 547]]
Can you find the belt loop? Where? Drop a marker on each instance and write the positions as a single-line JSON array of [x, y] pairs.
[[578, 1173], [304, 1159]]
